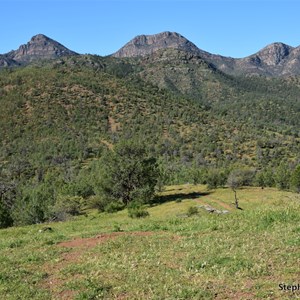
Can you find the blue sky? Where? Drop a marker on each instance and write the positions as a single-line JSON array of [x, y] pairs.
[[234, 28]]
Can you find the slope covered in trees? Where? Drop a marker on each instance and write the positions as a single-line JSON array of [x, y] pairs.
[[58, 117]]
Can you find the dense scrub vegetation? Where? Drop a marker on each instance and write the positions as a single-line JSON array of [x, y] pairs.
[[58, 119]]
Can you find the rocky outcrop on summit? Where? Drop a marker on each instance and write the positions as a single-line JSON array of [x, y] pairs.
[[274, 60], [270, 61], [39, 47], [143, 45], [272, 55]]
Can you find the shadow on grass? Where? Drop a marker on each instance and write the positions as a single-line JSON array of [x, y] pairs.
[[177, 197]]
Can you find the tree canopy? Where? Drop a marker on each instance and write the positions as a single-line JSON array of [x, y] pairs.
[[128, 173]]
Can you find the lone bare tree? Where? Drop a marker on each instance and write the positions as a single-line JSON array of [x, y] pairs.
[[235, 181]]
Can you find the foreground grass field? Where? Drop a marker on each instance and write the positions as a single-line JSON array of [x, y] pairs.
[[244, 254]]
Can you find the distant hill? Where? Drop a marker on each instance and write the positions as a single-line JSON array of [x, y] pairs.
[[277, 59]]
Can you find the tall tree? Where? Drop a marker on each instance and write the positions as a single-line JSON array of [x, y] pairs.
[[128, 173], [283, 176]]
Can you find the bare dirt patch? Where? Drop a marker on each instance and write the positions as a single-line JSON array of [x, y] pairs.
[[76, 248], [91, 242], [55, 279], [219, 202], [113, 124]]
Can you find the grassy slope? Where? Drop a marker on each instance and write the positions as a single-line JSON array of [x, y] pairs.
[[241, 255]]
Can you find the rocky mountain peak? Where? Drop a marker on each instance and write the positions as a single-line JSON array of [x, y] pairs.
[[143, 45], [273, 54], [39, 38], [39, 47]]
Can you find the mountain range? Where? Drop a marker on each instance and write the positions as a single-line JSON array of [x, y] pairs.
[[61, 111], [274, 60]]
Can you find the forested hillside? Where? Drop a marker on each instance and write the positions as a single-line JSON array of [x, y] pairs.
[[58, 117]]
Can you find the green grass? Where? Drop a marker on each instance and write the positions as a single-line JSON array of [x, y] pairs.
[[241, 255]]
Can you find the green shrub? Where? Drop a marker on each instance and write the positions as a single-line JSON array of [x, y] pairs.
[[295, 180], [117, 228], [113, 207], [137, 213], [193, 210], [34, 202], [135, 210], [66, 206], [5, 217], [215, 178], [97, 202]]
